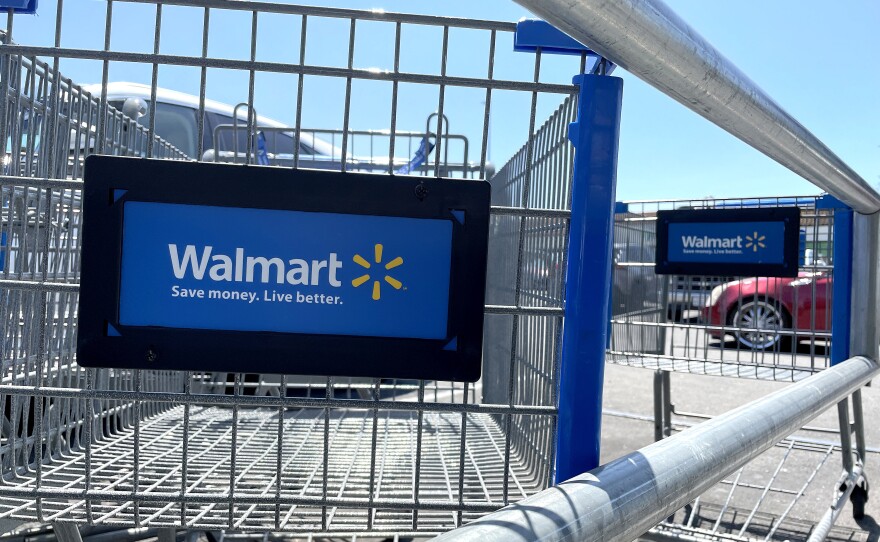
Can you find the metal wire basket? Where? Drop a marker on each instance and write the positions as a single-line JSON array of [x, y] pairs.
[[270, 452], [670, 322]]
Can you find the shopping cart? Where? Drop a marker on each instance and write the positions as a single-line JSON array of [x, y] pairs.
[[768, 329], [677, 323], [211, 451]]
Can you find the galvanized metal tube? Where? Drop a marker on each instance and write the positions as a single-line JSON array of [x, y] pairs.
[[823, 528], [866, 253], [625, 498], [845, 435], [658, 405], [859, 425], [646, 38]]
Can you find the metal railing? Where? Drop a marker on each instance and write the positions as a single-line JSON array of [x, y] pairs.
[[648, 39]]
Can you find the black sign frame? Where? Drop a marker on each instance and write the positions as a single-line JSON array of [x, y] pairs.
[[260, 187], [790, 216]]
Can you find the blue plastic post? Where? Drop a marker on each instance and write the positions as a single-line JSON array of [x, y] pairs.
[[588, 283], [841, 302]]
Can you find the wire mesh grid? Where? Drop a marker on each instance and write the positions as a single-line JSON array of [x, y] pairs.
[[368, 149], [526, 268], [56, 123], [271, 452], [768, 498], [751, 327]]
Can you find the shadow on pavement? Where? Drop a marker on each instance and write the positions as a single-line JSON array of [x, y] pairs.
[[871, 527]]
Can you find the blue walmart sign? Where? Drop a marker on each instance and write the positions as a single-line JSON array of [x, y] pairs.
[[732, 242], [218, 267], [235, 269], [728, 242]]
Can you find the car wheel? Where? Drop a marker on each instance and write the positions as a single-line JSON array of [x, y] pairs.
[[759, 321]]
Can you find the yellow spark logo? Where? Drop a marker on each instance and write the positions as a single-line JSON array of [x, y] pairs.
[[754, 241], [377, 291]]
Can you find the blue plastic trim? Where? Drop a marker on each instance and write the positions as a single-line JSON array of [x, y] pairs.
[[777, 202], [595, 137], [841, 302], [828, 201], [534, 33], [621, 208], [28, 7]]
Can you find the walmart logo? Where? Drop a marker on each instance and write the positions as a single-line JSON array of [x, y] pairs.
[[377, 286], [755, 241]]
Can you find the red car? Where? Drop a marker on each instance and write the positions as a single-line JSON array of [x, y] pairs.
[[756, 309]]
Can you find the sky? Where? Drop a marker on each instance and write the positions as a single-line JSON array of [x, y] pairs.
[[818, 62]]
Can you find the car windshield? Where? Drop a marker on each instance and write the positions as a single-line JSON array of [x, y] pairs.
[[174, 123]]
